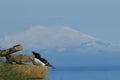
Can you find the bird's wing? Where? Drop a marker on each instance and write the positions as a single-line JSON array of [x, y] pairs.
[[47, 63], [44, 60]]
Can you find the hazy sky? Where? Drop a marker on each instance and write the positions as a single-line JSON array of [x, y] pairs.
[[98, 18]]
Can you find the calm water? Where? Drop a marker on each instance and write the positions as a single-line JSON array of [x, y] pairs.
[[85, 73]]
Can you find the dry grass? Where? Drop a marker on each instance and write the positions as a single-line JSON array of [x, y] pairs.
[[32, 71], [22, 72]]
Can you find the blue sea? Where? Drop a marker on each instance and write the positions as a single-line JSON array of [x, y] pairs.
[[85, 73]]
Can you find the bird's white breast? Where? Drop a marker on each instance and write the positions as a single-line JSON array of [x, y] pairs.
[[38, 62]]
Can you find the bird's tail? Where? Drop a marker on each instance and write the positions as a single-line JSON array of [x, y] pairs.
[[51, 66]]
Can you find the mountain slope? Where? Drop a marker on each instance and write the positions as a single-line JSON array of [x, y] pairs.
[[60, 38]]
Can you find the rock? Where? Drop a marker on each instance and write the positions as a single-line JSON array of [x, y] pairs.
[[11, 50], [19, 58]]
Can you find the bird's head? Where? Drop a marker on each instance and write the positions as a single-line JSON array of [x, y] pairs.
[[37, 55]]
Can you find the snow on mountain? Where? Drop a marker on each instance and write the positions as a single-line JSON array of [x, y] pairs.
[[61, 38]]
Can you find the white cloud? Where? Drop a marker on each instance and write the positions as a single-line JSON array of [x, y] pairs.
[[47, 37], [61, 49]]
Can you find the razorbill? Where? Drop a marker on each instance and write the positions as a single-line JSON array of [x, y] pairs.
[[38, 60]]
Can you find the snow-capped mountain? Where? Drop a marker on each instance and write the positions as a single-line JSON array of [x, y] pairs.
[[60, 38]]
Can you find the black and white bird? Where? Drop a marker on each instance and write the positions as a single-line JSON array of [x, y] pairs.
[[38, 60]]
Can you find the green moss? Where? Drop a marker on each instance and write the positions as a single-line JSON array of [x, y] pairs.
[[7, 73]]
